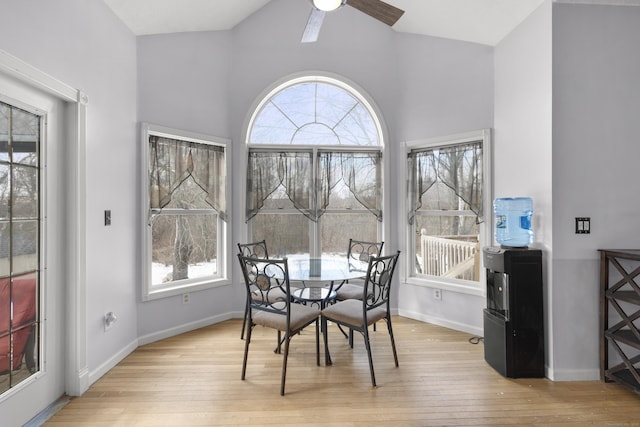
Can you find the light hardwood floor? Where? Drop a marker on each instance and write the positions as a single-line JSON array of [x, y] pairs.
[[194, 380]]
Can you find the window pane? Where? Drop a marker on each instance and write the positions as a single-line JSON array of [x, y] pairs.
[[278, 200], [25, 133], [338, 228], [18, 329], [358, 128], [341, 197], [25, 192], [447, 246], [188, 195], [5, 193], [184, 247], [4, 249], [24, 247], [4, 131], [442, 197], [286, 234]]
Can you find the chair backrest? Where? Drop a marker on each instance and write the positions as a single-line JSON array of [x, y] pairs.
[[254, 249], [267, 283], [377, 284], [360, 251]]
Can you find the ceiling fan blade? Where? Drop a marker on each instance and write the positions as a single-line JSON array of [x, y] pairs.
[[378, 9], [312, 30]]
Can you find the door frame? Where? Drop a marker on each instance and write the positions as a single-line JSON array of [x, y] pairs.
[[76, 369]]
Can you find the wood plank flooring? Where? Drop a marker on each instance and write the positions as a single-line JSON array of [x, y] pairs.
[[443, 380]]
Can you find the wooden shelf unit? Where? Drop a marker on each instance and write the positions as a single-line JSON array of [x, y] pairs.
[[620, 327]]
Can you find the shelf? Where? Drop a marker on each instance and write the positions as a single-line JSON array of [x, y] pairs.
[[631, 297], [624, 336], [625, 378], [619, 269]]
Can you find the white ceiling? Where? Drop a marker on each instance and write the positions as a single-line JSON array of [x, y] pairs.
[[479, 21]]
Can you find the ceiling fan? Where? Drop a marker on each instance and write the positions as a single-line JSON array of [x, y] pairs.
[[375, 8]]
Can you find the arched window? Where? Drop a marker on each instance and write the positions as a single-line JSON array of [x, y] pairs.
[[314, 169], [315, 113]]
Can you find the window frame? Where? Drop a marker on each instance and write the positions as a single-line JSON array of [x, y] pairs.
[[486, 226], [361, 95], [315, 228], [222, 278]]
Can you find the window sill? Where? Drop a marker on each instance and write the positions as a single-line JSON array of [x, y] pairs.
[[472, 288], [171, 291]]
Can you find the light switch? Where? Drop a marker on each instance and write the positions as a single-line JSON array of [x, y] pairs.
[[107, 217], [583, 225]]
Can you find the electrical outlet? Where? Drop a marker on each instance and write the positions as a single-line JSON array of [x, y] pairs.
[[185, 298], [109, 319], [437, 294]]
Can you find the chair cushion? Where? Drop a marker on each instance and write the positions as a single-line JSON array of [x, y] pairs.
[[275, 294], [301, 315], [349, 291], [349, 312]]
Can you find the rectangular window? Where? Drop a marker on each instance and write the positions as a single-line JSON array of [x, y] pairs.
[[310, 202], [186, 211], [447, 195]]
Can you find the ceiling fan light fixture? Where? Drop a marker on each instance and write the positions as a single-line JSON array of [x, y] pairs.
[[328, 5]]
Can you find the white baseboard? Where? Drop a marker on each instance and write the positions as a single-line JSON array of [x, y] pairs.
[[181, 329], [112, 361], [156, 336], [470, 329], [574, 374]]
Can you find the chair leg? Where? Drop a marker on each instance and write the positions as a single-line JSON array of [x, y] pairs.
[[327, 356], [287, 338], [368, 345], [244, 321], [246, 350], [393, 341], [343, 332], [317, 342]]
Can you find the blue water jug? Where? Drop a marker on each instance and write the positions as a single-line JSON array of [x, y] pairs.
[[513, 221]]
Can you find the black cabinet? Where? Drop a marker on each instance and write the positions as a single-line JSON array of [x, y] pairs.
[[620, 327], [514, 319]]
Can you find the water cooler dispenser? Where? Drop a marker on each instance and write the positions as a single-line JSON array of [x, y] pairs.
[[513, 319]]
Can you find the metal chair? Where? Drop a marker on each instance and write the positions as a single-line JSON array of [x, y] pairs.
[[358, 256], [269, 298], [358, 315], [253, 250]]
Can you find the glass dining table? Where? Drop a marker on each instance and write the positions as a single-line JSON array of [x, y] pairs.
[[321, 277]]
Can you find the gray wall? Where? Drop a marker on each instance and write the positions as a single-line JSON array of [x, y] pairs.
[[523, 133], [596, 105], [446, 87], [423, 86]]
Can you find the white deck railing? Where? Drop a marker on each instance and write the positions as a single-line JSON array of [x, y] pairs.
[[448, 257]]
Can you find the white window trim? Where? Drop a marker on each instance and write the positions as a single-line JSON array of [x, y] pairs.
[[77, 373], [486, 230], [150, 292]]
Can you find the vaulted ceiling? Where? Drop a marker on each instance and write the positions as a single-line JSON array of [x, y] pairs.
[[479, 21]]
